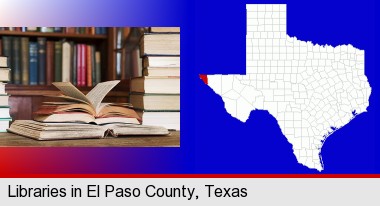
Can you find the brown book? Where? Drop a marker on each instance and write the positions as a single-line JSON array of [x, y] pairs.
[[49, 62], [89, 65], [1, 48], [70, 30], [25, 60], [92, 30]]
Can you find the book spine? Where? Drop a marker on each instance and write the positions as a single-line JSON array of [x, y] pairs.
[[98, 66], [58, 61], [58, 29], [25, 60], [7, 49], [1, 47], [33, 63], [66, 61], [93, 65], [79, 65], [49, 62], [16, 57], [88, 66], [41, 60], [98, 30], [84, 66], [74, 64]]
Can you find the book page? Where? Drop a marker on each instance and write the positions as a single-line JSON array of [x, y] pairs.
[[97, 94], [70, 90]]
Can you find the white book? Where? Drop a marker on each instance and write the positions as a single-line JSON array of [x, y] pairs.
[[66, 61]]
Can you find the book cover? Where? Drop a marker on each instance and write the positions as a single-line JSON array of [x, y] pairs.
[[160, 44], [33, 63], [74, 64], [25, 60], [98, 66], [16, 60], [41, 60], [88, 65], [58, 61], [49, 62], [7, 49], [66, 61], [4, 61]]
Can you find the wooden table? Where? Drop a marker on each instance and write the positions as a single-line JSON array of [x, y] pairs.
[[172, 140]]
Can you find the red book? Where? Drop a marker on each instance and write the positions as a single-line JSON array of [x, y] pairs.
[[84, 64]]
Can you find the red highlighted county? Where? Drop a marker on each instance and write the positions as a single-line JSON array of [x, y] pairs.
[[204, 78], [311, 90]]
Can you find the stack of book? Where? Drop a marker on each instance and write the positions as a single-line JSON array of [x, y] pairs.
[[4, 105], [42, 62], [156, 95]]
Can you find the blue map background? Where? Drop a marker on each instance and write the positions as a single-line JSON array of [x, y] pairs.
[[226, 145]]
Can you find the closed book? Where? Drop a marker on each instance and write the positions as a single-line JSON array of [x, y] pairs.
[[137, 68], [98, 30], [46, 29], [156, 85], [160, 44], [7, 49], [164, 29], [98, 67], [58, 61], [89, 65], [31, 28], [41, 60], [25, 60], [5, 74], [162, 71], [161, 61], [93, 65], [4, 100], [4, 61], [167, 119], [16, 58], [84, 65], [4, 112], [49, 62], [155, 102], [1, 47], [74, 64], [70, 30], [79, 65], [57, 29], [81, 74], [66, 61], [4, 124], [2, 88], [33, 63]]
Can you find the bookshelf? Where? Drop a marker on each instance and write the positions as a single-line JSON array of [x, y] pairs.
[[24, 99]]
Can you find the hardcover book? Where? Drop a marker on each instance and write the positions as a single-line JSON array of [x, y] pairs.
[[56, 131], [78, 107]]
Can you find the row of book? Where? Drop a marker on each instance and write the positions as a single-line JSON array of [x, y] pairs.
[[156, 95], [68, 30], [44, 62], [5, 118]]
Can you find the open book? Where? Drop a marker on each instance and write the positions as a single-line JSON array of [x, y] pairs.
[[59, 131], [89, 108]]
